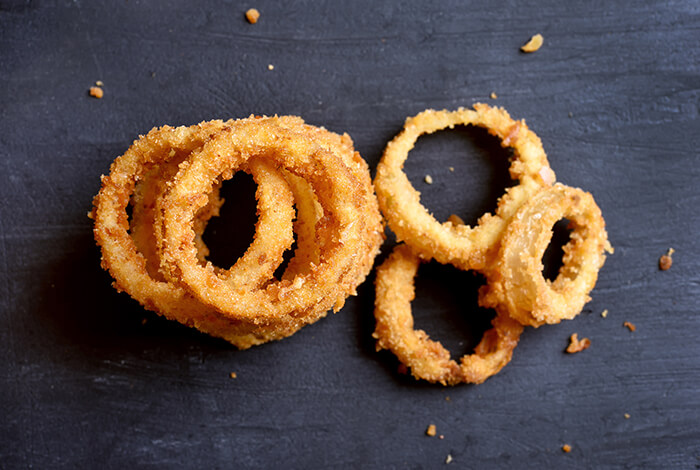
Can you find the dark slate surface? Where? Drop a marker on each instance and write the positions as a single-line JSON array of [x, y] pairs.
[[614, 94]]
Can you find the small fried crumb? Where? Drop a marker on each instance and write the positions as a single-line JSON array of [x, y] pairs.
[[431, 431], [493, 95], [270, 67], [533, 44], [428, 179], [566, 448], [252, 15], [604, 313], [447, 398], [627, 416], [144, 321], [99, 83], [441, 436], [576, 346], [666, 260], [455, 219], [630, 326], [96, 92], [233, 375], [449, 458], [452, 169]]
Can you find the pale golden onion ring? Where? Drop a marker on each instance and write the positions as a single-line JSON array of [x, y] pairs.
[[428, 359], [516, 284], [460, 245]]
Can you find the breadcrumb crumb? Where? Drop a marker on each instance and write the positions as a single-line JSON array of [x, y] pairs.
[[493, 95], [252, 15], [604, 313], [630, 326], [233, 375], [666, 260], [566, 448], [431, 431], [533, 44], [96, 92], [428, 179], [441, 436], [99, 83], [452, 169], [577, 345], [627, 416], [449, 458], [270, 67]]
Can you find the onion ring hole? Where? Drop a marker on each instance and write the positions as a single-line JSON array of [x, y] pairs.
[[478, 179]]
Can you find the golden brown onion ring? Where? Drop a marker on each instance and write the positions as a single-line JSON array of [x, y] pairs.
[[516, 284], [460, 245], [428, 359], [121, 257], [286, 304]]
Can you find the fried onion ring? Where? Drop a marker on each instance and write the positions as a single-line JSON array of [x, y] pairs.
[[342, 231], [428, 359], [127, 265], [463, 246], [516, 285]]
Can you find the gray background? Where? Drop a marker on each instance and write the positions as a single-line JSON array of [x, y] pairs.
[[614, 95]]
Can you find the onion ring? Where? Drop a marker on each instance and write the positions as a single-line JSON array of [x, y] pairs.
[[463, 246], [515, 282], [286, 304], [428, 359], [127, 265]]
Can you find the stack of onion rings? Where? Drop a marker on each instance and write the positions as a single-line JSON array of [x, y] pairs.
[[171, 177], [506, 247]]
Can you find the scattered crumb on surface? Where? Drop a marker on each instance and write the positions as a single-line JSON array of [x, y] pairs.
[[441, 436], [604, 313], [455, 219], [428, 179], [233, 375], [493, 95], [270, 67], [252, 15], [144, 321], [99, 83], [447, 398], [96, 92], [577, 345], [431, 431], [533, 44], [630, 326], [449, 458], [566, 448], [627, 416], [666, 260], [452, 168]]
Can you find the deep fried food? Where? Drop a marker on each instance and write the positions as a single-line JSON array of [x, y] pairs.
[[134, 258], [428, 359], [506, 247], [287, 304], [516, 285], [460, 245]]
